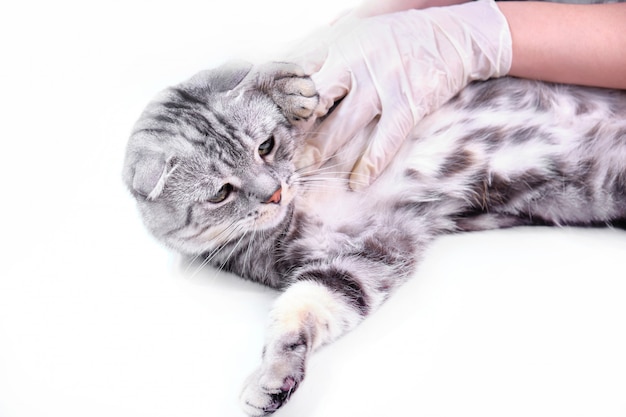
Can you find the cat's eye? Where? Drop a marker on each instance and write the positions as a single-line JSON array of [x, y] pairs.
[[222, 194], [266, 147]]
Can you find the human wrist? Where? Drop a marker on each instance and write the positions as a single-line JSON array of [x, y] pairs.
[[480, 35]]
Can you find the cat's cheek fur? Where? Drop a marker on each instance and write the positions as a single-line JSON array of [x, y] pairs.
[[306, 316]]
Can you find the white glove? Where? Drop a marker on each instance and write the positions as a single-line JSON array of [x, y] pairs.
[[398, 68]]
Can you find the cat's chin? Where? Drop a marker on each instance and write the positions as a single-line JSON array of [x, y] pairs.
[[273, 215]]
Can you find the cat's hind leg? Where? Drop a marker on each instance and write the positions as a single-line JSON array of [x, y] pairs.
[[476, 222]]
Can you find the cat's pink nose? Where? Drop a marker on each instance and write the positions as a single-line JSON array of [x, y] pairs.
[[275, 198]]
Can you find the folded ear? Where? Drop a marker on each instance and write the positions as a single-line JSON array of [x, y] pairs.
[[150, 174], [221, 79]]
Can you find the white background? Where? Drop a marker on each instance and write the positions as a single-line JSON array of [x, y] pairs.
[[97, 319]]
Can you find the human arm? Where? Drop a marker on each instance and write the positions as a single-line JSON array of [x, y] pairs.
[[568, 43], [565, 43], [390, 71]]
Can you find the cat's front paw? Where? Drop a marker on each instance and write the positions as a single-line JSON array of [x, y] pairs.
[[261, 396], [291, 89], [280, 374]]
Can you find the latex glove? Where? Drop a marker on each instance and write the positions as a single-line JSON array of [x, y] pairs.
[[397, 68]]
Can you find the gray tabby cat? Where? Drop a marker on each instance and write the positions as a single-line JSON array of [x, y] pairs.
[[210, 163]]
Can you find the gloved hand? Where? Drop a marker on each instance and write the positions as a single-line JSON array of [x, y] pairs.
[[398, 68]]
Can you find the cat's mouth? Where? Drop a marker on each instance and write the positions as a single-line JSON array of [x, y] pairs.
[[272, 212]]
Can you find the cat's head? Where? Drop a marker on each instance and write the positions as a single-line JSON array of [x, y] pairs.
[[210, 160]]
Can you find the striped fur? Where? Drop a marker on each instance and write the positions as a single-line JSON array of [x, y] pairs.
[[210, 163]]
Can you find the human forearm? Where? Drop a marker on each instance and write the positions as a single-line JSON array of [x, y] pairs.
[[578, 44], [565, 43]]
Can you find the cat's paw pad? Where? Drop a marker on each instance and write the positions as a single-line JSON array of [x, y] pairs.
[[280, 374], [264, 393], [292, 90]]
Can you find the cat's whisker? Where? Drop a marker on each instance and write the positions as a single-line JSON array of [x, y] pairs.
[[205, 262], [246, 257], [321, 163], [235, 246], [324, 169], [310, 134], [225, 235], [330, 177], [191, 262], [321, 183], [332, 182]]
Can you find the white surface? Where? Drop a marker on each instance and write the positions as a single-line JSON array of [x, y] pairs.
[[96, 319]]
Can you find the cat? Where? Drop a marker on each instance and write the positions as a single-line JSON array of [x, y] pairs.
[[210, 163]]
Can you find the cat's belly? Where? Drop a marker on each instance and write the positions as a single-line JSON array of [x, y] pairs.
[[561, 162]]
